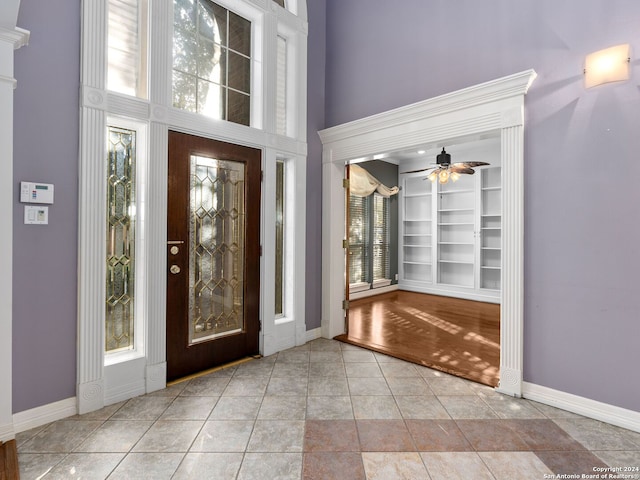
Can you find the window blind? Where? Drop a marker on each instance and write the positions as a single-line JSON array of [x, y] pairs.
[[380, 237], [127, 41], [359, 227], [281, 87]]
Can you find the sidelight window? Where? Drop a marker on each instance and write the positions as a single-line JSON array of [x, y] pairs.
[[121, 223]]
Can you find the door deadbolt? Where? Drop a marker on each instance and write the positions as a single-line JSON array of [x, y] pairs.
[[174, 250], [175, 269]]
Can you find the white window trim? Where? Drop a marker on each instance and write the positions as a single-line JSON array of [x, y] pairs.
[[148, 372]]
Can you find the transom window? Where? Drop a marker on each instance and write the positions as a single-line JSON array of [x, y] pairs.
[[211, 61]]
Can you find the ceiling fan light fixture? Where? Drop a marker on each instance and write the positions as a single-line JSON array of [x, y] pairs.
[[443, 170], [443, 158]]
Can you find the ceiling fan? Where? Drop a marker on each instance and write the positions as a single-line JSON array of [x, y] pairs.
[[444, 170]]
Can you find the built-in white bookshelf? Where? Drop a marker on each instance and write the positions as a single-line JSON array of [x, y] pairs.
[[451, 235], [417, 230]]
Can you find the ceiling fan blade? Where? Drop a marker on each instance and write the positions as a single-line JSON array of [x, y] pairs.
[[421, 170], [460, 168], [470, 164]]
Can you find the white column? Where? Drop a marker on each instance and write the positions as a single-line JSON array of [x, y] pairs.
[[511, 309], [333, 232], [9, 41]]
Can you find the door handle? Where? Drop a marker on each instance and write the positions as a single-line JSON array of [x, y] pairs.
[[175, 269]]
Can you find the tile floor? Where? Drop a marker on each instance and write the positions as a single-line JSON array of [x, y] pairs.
[[326, 410]]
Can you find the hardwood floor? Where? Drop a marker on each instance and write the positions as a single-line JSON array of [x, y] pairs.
[[9, 461], [457, 336]]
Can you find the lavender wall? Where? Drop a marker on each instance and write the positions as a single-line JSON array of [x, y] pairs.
[[581, 150], [46, 150], [315, 122]]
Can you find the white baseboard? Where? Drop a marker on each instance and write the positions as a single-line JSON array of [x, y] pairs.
[[125, 392], [373, 291], [6, 433], [604, 412], [39, 416], [313, 334]]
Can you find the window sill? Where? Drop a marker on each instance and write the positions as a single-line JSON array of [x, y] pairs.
[[359, 287], [383, 282]]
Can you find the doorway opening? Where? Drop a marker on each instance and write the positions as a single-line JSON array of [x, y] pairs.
[[444, 240], [495, 108]]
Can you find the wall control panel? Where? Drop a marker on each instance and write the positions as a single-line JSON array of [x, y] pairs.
[[31, 192]]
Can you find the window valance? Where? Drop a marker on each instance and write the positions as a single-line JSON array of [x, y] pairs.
[[363, 184]]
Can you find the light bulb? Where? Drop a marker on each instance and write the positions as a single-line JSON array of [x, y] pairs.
[[432, 176], [443, 176], [454, 176]]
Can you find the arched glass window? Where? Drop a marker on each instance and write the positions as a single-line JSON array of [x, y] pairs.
[[211, 61]]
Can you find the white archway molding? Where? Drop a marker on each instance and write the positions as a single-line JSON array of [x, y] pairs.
[[488, 108], [11, 38]]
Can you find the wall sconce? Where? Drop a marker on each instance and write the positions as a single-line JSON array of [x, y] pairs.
[[608, 65]]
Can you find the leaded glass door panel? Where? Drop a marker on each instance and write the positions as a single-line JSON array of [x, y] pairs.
[[212, 253]]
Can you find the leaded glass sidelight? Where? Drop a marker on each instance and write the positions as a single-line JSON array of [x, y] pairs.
[[121, 203], [280, 219], [211, 61], [216, 253]]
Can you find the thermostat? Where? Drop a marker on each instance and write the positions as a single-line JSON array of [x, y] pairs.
[[31, 192]]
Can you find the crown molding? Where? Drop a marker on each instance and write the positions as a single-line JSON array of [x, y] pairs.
[[19, 37], [493, 91]]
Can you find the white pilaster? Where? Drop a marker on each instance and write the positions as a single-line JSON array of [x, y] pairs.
[[512, 303], [91, 216], [156, 245], [10, 40]]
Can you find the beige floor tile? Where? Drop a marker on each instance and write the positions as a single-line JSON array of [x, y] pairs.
[[147, 466], [394, 466], [456, 466], [115, 436], [218, 466], [512, 465]]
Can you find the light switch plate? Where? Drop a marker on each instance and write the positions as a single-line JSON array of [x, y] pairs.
[[36, 215]]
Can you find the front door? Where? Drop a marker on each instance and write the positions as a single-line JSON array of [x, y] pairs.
[[213, 253]]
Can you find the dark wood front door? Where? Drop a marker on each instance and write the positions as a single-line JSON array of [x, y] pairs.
[[213, 253]]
